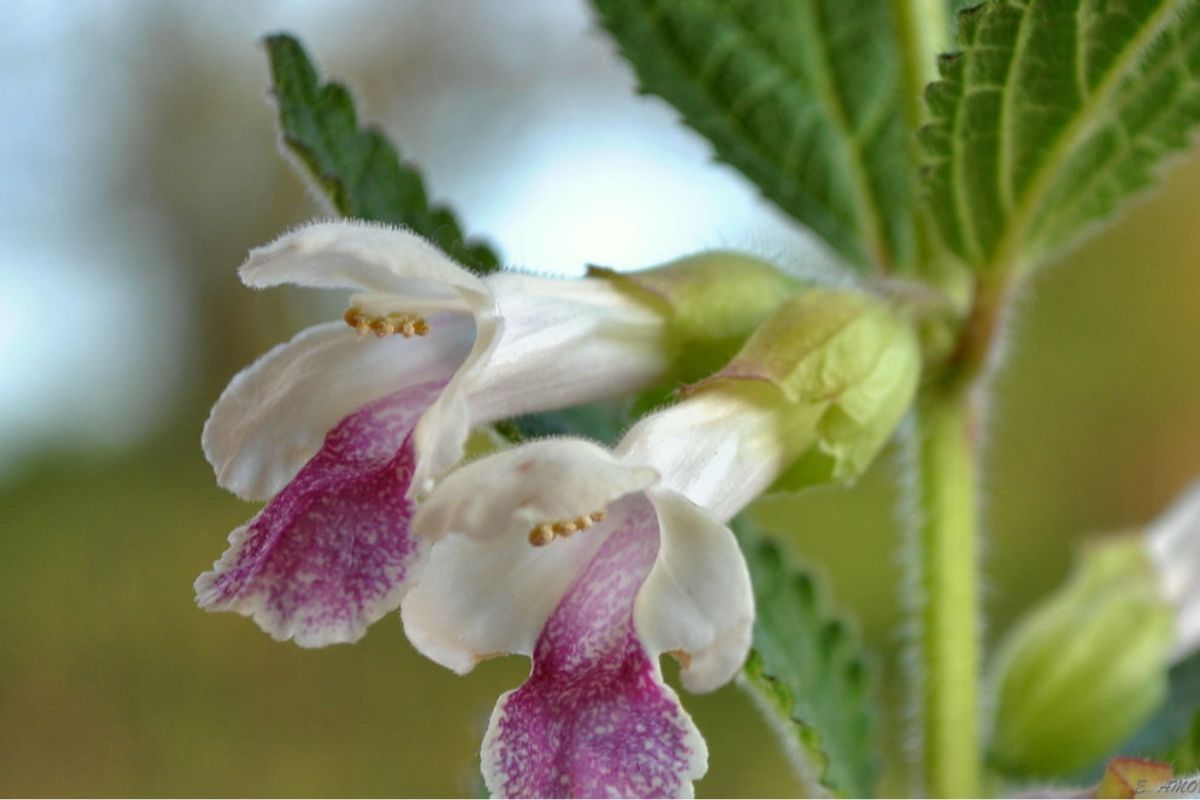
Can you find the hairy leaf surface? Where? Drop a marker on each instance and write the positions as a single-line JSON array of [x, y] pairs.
[[1174, 732], [802, 96], [1052, 116]]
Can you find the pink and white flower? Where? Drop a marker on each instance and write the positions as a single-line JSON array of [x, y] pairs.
[[594, 563], [343, 427]]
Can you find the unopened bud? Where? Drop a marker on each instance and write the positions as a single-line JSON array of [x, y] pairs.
[[1084, 669]]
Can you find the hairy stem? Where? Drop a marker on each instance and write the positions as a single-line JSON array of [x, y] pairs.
[[945, 578], [946, 583]]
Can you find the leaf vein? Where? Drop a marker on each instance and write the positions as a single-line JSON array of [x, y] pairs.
[[1077, 130]]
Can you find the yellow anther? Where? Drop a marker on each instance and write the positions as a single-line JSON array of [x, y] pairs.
[[399, 322], [355, 319], [541, 536], [544, 534]]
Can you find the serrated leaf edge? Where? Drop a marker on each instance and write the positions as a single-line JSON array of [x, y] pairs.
[[1006, 251], [808, 756], [334, 189]]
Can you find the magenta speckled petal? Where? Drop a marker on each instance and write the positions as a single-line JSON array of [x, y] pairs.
[[594, 719], [331, 552]]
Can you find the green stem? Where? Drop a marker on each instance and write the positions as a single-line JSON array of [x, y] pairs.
[[946, 579], [947, 584]]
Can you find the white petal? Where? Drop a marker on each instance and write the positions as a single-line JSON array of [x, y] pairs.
[[566, 342], [274, 415], [441, 435], [1174, 544], [381, 304], [1187, 625], [477, 598], [698, 598], [557, 343], [719, 448], [506, 494], [363, 256]]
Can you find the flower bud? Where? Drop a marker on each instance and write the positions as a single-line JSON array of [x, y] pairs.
[[1084, 669]]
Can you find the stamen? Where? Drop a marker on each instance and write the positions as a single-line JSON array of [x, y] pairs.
[[547, 532], [541, 536], [398, 322]]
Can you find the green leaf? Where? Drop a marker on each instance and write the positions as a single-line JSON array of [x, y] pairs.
[[357, 169], [802, 96], [1174, 731], [1052, 116], [955, 6], [1185, 753], [603, 422], [807, 673]]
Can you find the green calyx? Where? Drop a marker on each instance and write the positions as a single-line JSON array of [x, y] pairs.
[[712, 301], [843, 363], [1084, 669]]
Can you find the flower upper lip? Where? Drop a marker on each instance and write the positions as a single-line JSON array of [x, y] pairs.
[[513, 491], [390, 269]]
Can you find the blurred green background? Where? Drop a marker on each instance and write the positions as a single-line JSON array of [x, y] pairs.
[[139, 166]]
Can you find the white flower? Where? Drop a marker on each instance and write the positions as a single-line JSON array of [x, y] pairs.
[[595, 562], [345, 425], [1173, 541]]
